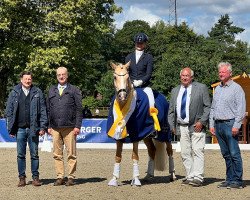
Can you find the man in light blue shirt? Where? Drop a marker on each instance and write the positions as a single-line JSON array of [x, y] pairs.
[[226, 116]]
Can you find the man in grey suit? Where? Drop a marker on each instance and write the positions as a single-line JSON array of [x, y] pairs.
[[188, 115]]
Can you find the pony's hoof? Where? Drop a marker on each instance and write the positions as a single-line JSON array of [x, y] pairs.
[[136, 182], [172, 177], [113, 182], [148, 177]]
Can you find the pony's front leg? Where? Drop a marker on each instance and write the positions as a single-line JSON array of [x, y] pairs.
[[171, 161], [151, 156], [135, 181], [117, 167]]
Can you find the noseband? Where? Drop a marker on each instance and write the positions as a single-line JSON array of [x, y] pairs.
[[121, 90]]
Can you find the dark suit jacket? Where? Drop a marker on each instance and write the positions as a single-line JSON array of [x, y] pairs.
[[199, 107], [64, 111], [142, 70]]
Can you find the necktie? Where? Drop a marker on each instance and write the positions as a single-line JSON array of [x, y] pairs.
[[183, 104], [61, 90]]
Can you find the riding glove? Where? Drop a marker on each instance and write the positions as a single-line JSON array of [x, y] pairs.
[[137, 83]]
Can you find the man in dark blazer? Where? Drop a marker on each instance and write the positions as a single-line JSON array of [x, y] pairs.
[[64, 105], [188, 116]]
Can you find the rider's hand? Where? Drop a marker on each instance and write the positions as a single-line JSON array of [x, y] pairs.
[[49, 131], [41, 132], [137, 83]]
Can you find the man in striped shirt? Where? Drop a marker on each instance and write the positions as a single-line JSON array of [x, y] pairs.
[[226, 116]]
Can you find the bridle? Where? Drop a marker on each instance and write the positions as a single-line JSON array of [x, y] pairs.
[[123, 90]]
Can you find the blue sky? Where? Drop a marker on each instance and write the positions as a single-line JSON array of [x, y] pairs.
[[200, 15]]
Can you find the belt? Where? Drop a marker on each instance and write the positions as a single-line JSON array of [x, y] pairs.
[[222, 120]]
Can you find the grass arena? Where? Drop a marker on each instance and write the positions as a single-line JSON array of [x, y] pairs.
[[95, 167]]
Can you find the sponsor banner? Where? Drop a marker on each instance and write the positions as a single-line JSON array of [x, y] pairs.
[[92, 131], [4, 135]]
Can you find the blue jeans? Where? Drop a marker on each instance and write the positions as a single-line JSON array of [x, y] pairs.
[[23, 136], [230, 151]]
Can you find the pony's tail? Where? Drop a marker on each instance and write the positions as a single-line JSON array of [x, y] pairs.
[[160, 155]]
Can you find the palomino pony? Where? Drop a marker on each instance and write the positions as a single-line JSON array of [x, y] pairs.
[[129, 121]]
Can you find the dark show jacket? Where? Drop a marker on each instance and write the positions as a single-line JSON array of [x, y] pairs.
[[38, 115], [64, 111], [142, 70]]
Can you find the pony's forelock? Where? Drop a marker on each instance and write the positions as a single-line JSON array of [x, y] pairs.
[[120, 65]]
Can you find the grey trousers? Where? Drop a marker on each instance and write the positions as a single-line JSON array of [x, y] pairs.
[[192, 153]]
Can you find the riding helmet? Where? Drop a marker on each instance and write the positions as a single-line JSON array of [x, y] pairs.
[[140, 37]]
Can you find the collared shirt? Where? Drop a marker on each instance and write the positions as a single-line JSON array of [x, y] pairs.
[[61, 86], [138, 55], [26, 91], [178, 105], [228, 103]]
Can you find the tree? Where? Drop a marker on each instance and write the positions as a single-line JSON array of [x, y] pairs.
[[106, 88], [72, 36], [19, 21], [178, 47], [40, 35], [234, 51], [224, 31], [174, 47]]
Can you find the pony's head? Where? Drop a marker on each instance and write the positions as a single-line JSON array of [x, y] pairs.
[[122, 81]]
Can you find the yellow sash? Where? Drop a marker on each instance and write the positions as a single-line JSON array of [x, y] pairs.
[[121, 114]]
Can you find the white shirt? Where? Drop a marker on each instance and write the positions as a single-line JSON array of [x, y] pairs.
[[26, 91], [62, 86], [178, 105], [138, 55]]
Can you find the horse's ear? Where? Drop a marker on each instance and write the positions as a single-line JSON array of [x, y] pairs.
[[113, 65], [127, 64]]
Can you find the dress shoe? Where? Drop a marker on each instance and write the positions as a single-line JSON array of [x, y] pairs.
[[223, 184], [186, 181], [59, 181], [70, 182], [195, 183], [36, 182], [235, 186], [22, 182]]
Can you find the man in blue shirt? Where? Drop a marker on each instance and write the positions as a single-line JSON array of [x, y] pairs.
[[226, 116]]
